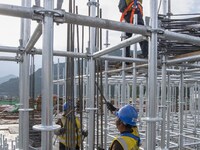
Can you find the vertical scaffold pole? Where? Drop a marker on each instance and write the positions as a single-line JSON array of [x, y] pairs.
[[163, 102], [198, 101], [123, 83], [47, 74], [169, 99], [163, 90], [92, 4], [24, 86], [141, 104], [106, 96], [47, 79], [186, 103], [181, 102], [21, 75], [134, 81], [152, 77]]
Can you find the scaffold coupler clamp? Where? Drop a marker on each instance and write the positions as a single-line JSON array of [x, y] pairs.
[[39, 12], [90, 3], [158, 31], [18, 59]]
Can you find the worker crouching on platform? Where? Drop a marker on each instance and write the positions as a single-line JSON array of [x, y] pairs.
[[69, 135], [126, 124]]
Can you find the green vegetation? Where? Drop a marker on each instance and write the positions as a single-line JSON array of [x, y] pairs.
[[9, 102]]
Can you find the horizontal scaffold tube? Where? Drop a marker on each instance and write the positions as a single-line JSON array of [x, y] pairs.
[[7, 58], [16, 11], [64, 54], [24, 12], [127, 27], [124, 43], [73, 54], [9, 49], [129, 59], [185, 59]]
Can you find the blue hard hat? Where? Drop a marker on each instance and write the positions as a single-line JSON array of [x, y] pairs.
[[128, 115], [65, 106]]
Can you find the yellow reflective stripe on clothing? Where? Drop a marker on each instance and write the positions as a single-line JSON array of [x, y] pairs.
[[123, 143], [76, 137]]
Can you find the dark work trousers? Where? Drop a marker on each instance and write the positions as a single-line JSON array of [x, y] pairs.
[[143, 44]]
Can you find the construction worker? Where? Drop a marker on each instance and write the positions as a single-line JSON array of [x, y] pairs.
[[126, 124], [69, 135], [128, 8]]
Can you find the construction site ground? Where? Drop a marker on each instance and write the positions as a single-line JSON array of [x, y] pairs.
[[9, 128]]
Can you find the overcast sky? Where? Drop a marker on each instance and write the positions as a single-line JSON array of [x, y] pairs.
[[10, 26]]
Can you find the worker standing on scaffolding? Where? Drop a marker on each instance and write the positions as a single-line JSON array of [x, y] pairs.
[[69, 135], [126, 124], [129, 8]]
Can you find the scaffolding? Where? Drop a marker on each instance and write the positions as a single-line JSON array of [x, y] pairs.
[[167, 82]]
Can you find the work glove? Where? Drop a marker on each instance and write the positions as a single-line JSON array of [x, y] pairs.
[[85, 133], [60, 131], [110, 106]]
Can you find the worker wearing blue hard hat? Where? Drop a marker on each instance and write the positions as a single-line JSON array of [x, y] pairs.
[[69, 122], [65, 106], [126, 123]]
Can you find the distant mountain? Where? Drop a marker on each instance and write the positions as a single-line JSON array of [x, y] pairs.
[[6, 78], [11, 86]]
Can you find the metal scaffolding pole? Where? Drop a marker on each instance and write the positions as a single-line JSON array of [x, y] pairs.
[[152, 77], [163, 103], [47, 83], [181, 103], [34, 38], [7, 58], [65, 17], [123, 85], [134, 81], [141, 104], [195, 110], [58, 88], [186, 102], [72, 54], [91, 109], [21, 94], [198, 116], [9, 49], [106, 96], [169, 99], [173, 105], [47, 74], [122, 44], [48, 16], [24, 77], [185, 59]]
